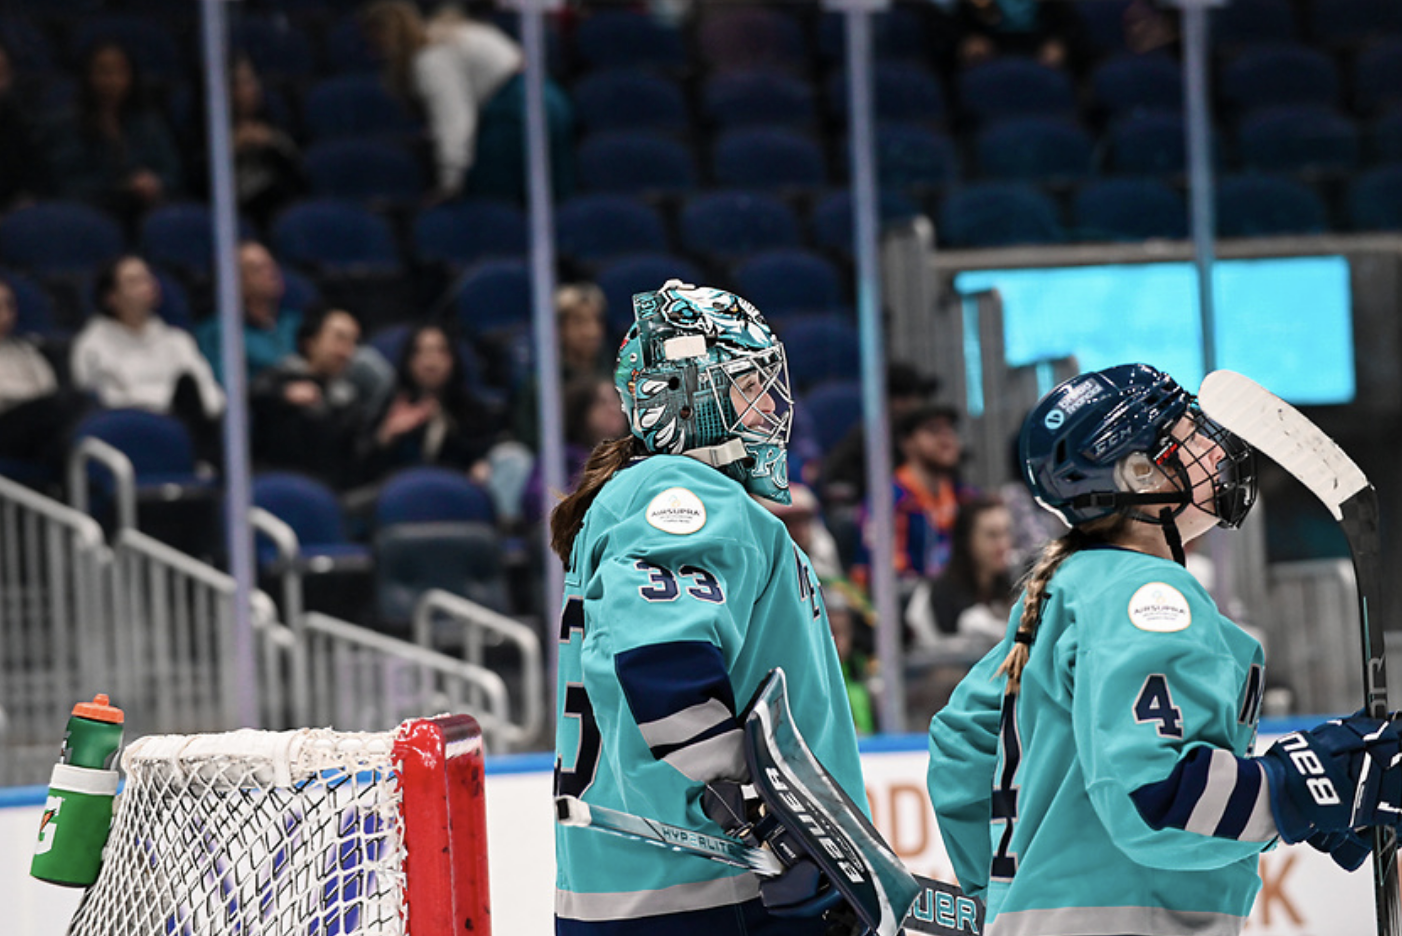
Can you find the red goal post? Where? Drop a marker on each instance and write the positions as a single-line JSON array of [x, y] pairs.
[[310, 831]]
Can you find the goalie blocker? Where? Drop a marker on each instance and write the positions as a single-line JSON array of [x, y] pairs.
[[805, 814]]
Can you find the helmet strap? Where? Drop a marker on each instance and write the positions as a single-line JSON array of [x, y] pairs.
[[1171, 536], [718, 456]]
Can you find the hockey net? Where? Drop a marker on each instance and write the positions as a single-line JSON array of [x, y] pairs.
[[312, 832]]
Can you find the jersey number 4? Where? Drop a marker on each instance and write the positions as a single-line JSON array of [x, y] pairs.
[[1155, 704]]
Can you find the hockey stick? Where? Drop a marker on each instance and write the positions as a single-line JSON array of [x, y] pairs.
[[940, 909], [1281, 432]]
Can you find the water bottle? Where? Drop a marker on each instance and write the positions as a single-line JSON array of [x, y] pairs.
[[78, 813]]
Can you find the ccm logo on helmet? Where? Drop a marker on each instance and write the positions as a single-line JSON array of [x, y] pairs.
[[1309, 766]]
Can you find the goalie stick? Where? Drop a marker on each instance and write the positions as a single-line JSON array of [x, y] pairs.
[[940, 909], [1281, 432]]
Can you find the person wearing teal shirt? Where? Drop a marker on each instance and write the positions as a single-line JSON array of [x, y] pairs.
[[1094, 773], [269, 330]]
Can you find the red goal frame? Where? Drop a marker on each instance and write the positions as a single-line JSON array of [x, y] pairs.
[[442, 777]]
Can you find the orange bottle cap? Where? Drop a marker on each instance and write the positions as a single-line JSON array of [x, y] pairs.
[[99, 709]]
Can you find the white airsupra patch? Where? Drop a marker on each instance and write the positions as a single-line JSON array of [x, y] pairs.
[[1160, 608], [677, 510]]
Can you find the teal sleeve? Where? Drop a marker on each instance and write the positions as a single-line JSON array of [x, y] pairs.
[[1146, 696], [963, 757]]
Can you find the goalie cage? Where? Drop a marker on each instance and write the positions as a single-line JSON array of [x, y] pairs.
[[311, 832]]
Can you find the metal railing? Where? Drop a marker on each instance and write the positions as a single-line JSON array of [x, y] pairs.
[[92, 449]]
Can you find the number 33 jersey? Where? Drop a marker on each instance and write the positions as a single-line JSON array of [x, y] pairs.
[[1139, 698], [681, 595]]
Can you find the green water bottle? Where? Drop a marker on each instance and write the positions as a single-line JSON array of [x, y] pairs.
[[78, 813]]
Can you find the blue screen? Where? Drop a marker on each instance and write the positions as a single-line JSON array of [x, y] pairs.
[[1285, 323]]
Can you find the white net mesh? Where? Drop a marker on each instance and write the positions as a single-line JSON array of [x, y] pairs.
[[253, 833]]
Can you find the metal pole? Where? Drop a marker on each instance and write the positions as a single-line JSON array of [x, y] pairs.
[[552, 450], [1200, 175], [873, 355], [241, 669]]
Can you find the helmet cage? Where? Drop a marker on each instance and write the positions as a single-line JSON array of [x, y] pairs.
[[749, 377], [1230, 488]]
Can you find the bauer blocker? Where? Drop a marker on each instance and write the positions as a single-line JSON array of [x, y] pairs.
[[798, 820]]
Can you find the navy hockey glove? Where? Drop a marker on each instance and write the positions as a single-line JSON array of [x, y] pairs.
[[1341, 775], [1348, 849]]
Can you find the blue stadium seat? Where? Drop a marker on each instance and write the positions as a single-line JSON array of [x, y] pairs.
[[594, 228], [751, 37], [628, 38], [1377, 75], [904, 91], [1385, 136], [299, 292], [334, 235], [1375, 199], [1147, 144], [635, 163], [913, 157], [35, 315], [432, 495], [622, 277], [313, 512], [463, 232], [790, 280], [174, 308], [1245, 22], [1263, 206], [1101, 23], [758, 98], [1279, 73], [58, 238], [1345, 22], [150, 43], [768, 159], [898, 33], [726, 225], [629, 99], [1012, 86], [356, 105], [1296, 139], [158, 446], [821, 349], [998, 214], [375, 172], [840, 402], [832, 222], [494, 295], [1128, 83], [460, 558], [1129, 210], [275, 46], [1035, 148]]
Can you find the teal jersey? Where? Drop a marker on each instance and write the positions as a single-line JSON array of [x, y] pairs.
[[682, 594], [1114, 793]]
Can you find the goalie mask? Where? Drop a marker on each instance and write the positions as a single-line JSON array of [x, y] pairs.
[[1103, 442], [701, 374]]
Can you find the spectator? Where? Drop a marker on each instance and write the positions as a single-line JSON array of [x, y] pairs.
[[308, 415], [802, 516], [844, 470], [593, 413], [269, 328], [584, 353], [927, 494], [432, 417], [115, 151], [35, 411], [128, 357], [966, 607], [267, 163], [466, 75], [22, 176]]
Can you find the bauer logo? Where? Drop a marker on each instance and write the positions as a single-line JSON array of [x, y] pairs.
[[677, 510], [1160, 608]]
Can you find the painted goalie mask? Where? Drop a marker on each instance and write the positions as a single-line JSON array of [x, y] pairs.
[[701, 374]]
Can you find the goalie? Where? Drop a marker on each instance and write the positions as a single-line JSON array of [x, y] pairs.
[[682, 593], [1094, 773]]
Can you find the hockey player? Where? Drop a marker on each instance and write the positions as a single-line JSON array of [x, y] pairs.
[[1094, 773], [682, 593]]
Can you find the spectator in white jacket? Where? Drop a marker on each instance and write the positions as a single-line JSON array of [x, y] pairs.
[[127, 356], [465, 75]]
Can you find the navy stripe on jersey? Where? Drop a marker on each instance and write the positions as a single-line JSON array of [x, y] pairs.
[[681, 698], [1210, 792]]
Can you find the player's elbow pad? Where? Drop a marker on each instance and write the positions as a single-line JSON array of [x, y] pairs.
[[1211, 792]]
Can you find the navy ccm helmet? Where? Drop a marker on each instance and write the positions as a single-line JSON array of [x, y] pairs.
[[1077, 441]]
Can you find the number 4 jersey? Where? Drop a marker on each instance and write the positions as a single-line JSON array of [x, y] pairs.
[[1112, 794], [682, 594]]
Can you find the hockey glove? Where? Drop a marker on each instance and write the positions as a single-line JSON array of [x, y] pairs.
[[1349, 849], [1341, 775], [802, 889]]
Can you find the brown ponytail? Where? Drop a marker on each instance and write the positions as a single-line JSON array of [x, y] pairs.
[[607, 459], [1034, 586]]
